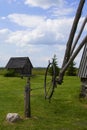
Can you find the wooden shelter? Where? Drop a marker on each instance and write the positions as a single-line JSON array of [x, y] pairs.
[[21, 65]]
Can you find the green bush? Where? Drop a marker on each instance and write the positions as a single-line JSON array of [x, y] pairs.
[[10, 73]]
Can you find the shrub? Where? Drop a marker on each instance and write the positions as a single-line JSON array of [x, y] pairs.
[[10, 73]]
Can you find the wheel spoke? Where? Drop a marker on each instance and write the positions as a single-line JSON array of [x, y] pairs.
[[49, 89]]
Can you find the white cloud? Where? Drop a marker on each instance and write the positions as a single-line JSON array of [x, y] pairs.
[[4, 34], [26, 20], [35, 40], [61, 12], [3, 18], [45, 4], [22, 38], [58, 7], [39, 54], [39, 30], [47, 32]]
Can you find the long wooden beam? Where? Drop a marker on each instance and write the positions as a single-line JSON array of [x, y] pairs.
[[78, 36], [71, 36], [72, 33], [60, 79]]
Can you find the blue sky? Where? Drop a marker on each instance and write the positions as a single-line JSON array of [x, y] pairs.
[[37, 29]]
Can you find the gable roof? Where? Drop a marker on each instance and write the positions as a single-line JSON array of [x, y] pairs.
[[18, 62]]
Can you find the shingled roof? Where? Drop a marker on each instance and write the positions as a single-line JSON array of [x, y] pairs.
[[83, 64], [18, 62]]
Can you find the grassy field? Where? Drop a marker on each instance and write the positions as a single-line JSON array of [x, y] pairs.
[[65, 111]]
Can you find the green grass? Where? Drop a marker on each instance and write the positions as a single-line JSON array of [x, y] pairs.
[[65, 111]]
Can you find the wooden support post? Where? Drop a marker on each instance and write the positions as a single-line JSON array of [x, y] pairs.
[[27, 99]]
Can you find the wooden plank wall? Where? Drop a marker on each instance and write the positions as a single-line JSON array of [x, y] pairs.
[[83, 64]]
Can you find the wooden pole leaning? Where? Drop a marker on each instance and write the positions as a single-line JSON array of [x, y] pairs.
[[70, 40]]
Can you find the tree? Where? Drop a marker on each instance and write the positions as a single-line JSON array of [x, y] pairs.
[[55, 63], [71, 71]]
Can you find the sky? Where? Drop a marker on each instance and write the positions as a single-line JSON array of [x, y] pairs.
[[38, 29]]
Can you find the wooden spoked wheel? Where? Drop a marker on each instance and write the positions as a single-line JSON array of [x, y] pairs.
[[49, 81]]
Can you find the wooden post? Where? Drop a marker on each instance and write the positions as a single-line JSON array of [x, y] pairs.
[[27, 99]]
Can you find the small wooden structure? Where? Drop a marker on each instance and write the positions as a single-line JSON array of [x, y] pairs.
[[21, 65], [83, 72]]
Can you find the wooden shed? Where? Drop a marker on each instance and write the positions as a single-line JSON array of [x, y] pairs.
[[21, 65]]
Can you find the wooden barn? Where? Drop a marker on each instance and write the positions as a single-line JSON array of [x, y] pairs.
[[21, 65], [83, 72]]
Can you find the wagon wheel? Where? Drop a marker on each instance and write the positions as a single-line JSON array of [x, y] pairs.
[[49, 81]]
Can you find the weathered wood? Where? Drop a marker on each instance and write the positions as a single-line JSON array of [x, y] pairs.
[[27, 99], [83, 64], [21, 65], [70, 40], [84, 41], [73, 30], [83, 92], [78, 36]]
